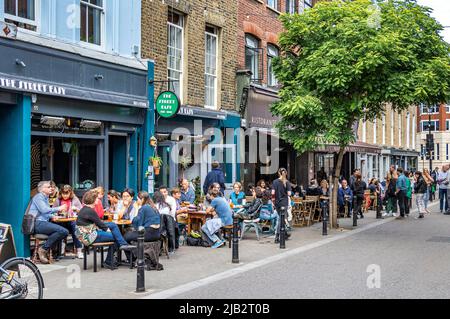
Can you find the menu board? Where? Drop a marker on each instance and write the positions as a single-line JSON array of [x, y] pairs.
[[8, 249]]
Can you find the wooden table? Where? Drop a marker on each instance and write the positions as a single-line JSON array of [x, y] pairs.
[[196, 216], [64, 220]]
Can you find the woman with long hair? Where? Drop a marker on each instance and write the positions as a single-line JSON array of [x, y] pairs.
[[429, 181], [281, 190], [358, 189], [420, 188]]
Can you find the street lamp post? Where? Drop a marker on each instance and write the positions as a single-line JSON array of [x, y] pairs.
[[430, 139]]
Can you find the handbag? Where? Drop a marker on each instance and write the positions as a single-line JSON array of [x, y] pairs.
[[28, 222], [86, 234]]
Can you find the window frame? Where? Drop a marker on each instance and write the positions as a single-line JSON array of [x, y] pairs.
[[270, 64], [216, 36], [422, 112], [181, 71], [292, 5], [259, 62], [89, 45], [422, 122], [275, 3], [37, 15]]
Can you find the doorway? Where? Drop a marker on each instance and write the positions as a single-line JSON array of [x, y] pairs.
[[118, 155]]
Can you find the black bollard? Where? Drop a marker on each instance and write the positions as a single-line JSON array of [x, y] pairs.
[[325, 218], [235, 246], [282, 228], [355, 212], [140, 284], [379, 206]]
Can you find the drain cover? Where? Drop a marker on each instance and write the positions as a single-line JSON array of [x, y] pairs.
[[439, 239]]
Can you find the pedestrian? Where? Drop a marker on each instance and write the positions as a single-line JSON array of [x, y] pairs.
[[443, 181], [409, 189], [391, 181], [281, 191], [214, 176], [353, 177], [420, 189], [402, 188], [359, 186], [434, 188], [429, 181]]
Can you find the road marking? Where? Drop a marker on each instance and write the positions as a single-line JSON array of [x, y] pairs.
[[168, 293]]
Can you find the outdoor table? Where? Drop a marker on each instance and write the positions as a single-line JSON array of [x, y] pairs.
[[196, 216], [63, 220]]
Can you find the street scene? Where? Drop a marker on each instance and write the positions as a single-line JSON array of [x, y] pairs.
[[239, 149]]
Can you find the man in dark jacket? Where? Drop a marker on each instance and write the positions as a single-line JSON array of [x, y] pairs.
[[214, 176], [345, 197]]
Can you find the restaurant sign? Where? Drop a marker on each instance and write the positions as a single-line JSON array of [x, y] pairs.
[[30, 86], [167, 104]]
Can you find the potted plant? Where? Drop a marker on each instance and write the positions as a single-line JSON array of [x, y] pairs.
[[156, 163], [185, 162]]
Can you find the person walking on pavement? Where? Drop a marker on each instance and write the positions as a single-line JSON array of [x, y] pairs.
[[214, 176], [402, 188], [420, 189], [429, 181], [359, 186], [281, 190], [353, 177], [443, 181], [391, 180], [434, 175], [409, 190]]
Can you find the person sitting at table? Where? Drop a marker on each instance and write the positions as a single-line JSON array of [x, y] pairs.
[[165, 211], [249, 190], [267, 211], [262, 183], [181, 214], [113, 201], [187, 193], [237, 197], [67, 197], [313, 189], [221, 209], [252, 209], [127, 207], [53, 195], [169, 200], [99, 202], [345, 197], [40, 208], [106, 232]]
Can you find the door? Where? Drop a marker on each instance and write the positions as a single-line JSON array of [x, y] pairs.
[[226, 156], [168, 174], [118, 154]]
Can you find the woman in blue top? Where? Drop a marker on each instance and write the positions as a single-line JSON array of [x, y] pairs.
[[268, 212], [237, 198], [149, 218]]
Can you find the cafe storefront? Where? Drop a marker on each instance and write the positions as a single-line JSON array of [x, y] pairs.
[[70, 119]]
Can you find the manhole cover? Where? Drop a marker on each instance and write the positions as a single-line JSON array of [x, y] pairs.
[[439, 239]]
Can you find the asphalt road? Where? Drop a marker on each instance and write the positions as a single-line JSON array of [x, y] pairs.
[[399, 259]]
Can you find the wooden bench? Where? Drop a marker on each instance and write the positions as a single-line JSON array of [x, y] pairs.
[[96, 247]]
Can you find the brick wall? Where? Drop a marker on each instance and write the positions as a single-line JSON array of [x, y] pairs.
[[197, 13]]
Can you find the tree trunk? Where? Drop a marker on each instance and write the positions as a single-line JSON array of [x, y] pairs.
[[337, 173]]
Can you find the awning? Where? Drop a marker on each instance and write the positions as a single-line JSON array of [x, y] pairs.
[[259, 103], [357, 147]]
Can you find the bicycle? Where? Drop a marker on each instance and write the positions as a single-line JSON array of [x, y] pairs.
[[20, 279]]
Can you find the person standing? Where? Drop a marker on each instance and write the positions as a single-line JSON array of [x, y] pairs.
[[391, 192], [281, 191], [214, 176], [359, 186], [434, 175], [429, 181], [409, 189], [402, 188], [420, 189], [443, 181], [345, 198]]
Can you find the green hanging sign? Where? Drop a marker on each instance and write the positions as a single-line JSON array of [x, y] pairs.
[[167, 104]]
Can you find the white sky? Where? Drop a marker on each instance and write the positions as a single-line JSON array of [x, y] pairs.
[[441, 12]]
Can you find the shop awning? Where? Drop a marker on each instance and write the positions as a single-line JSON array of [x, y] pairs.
[[357, 147], [259, 103]]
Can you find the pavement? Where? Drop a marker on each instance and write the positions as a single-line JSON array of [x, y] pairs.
[[411, 256]]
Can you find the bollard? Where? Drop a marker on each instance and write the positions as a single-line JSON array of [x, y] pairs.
[[379, 204], [355, 212], [235, 246], [282, 228], [325, 218], [140, 283]]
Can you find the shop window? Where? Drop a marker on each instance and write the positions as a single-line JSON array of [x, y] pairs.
[[91, 21], [272, 52], [175, 48], [253, 58], [22, 13], [211, 43]]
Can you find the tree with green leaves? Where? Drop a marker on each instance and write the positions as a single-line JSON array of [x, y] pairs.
[[345, 61]]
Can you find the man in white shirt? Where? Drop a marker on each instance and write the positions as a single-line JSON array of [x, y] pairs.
[[170, 201]]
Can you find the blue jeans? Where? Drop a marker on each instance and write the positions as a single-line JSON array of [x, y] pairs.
[[71, 228], [115, 236], [442, 197], [426, 197], [214, 238], [272, 216], [54, 232]]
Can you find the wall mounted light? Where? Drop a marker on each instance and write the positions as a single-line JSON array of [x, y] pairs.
[[21, 63], [99, 77]]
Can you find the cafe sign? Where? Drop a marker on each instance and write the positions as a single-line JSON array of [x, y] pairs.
[[29, 86], [167, 104]]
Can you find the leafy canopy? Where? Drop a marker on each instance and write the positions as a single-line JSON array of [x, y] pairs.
[[343, 61]]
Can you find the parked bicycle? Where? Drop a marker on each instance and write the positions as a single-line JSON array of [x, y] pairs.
[[20, 279]]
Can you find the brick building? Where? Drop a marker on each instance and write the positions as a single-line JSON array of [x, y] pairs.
[[440, 128], [193, 44], [258, 30]]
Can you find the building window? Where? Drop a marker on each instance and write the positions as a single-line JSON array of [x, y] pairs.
[[272, 52], [399, 129], [408, 121], [447, 109], [22, 13], [446, 152], [392, 127], [437, 151], [364, 131], [290, 6], [425, 125], [383, 136], [447, 125], [273, 4], [253, 57], [91, 21], [175, 53], [422, 151], [414, 131], [211, 67], [429, 110]]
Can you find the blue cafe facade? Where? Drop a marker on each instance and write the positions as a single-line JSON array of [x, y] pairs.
[[71, 112]]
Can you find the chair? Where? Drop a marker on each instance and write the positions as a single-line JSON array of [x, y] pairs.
[[297, 213], [38, 240], [96, 247], [164, 246], [247, 224]]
